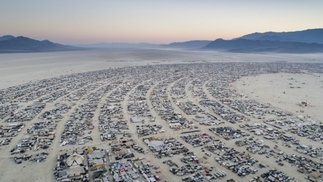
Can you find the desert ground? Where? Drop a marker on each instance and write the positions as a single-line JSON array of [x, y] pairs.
[[286, 91], [191, 80], [20, 68]]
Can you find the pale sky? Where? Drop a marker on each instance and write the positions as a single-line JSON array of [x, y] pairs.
[[154, 21]]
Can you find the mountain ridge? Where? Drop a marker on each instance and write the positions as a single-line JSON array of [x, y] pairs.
[[21, 44], [191, 44], [246, 46], [304, 41], [305, 36], [6, 37], [119, 45]]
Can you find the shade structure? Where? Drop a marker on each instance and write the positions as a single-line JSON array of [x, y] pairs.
[[74, 160]]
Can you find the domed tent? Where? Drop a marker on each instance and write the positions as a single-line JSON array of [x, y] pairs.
[[74, 160]]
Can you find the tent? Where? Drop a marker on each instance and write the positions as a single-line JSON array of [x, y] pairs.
[[315, 174], [74, 160]]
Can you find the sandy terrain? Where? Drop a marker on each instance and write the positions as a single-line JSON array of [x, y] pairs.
[[20, 68], [286, 91]]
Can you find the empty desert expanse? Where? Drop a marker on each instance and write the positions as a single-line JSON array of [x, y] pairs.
[[23, 67], [286, 91]]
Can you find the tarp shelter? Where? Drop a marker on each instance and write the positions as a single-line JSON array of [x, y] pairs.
[[117, 153], [173, 125], [315, 174], [152, 179], [96, 154], [96, 162], [155, 144], [128, 144], [75, 171], [135, 119]]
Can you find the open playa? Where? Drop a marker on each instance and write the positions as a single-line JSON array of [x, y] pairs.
[[169, 115], [286, 91], [21, 68]]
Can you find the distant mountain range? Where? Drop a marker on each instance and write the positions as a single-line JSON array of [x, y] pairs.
[[306, 41], [247, 46], [6, 37], [11, 44], [306, 36], [120, 45], [193, 44]]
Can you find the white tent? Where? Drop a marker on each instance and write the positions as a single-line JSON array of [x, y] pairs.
[[74, 159]]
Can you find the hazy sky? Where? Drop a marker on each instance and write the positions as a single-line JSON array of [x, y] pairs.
[[155, 21]]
